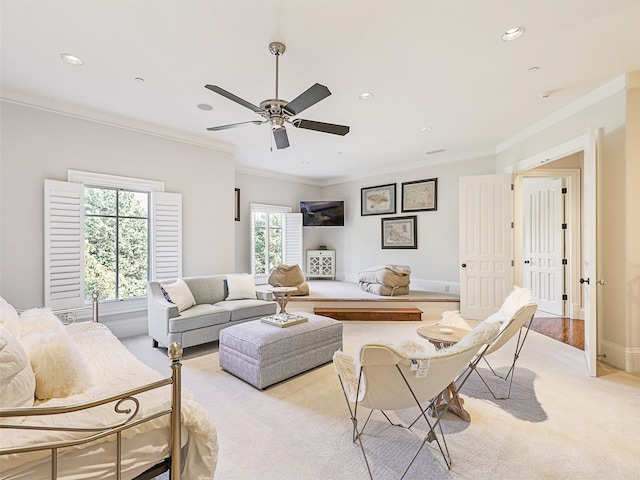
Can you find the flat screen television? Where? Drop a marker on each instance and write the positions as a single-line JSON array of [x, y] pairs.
[[322, 213]]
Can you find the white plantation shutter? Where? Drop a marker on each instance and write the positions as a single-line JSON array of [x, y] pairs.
[[64, 244], [292, 235], [166, 236]]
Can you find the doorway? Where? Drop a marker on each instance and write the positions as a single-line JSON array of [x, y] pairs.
[[551, 247]]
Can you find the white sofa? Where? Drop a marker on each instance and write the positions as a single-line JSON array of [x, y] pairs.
[[215, 307]]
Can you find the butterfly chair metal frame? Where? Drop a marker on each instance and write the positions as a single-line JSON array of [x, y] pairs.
[[517, 323], [442, 382]]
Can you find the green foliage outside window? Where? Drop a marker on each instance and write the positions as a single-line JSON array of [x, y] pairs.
[[116, 243], [267, 230]]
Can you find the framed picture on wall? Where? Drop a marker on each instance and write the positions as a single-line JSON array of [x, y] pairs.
[[400, 232], [237, 203], [420, 195], [378, 200]]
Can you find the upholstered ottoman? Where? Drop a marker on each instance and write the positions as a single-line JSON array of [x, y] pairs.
[[262, 354]]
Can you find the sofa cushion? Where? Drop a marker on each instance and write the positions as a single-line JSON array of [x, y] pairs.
[[209, 289], [199, 316], [243, 309]]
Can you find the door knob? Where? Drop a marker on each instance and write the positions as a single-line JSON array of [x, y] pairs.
[[464, 265], [583, 280]]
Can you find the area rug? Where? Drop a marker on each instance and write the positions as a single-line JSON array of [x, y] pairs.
[[559, 423]]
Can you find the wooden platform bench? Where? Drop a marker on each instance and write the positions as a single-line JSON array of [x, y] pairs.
[[371, 314]]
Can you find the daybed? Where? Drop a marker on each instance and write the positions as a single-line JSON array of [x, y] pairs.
[[193, 310], [97, 409]]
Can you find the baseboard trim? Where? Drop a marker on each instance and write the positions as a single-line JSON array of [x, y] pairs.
[[624, 358]]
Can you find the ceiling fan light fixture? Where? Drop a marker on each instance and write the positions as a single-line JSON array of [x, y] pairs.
[[71, 59], [366, 96], [512, 34]]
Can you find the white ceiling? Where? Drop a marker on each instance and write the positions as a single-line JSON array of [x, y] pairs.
[[430, 63]]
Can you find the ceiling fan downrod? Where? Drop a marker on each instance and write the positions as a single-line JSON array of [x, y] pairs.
[[277, 49]]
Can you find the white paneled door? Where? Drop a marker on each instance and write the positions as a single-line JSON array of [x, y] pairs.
[[543, 242], [486, 244]]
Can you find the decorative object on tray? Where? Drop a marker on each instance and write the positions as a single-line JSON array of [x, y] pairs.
[[283, 319], [399, 232], [420, 195], [378, 200]]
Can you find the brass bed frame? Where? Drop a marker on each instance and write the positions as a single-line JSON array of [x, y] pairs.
[[125, 404]]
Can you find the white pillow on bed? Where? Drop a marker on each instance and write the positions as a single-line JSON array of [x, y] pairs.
[[17, 381], [179, 294], [59, 367], [8, 315], [240, 287]]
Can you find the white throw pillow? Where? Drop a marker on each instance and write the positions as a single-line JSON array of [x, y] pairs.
[[59, 367], [17, 381], [8, 315], [179, 294], [241, 286]]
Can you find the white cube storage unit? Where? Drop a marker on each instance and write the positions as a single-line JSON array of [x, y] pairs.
[[321, 264]]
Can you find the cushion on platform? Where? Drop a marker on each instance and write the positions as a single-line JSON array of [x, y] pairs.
[[389, 275], [383, 290]]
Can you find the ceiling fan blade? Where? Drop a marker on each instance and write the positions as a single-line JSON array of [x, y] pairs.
[[233, 125], [281, 137], [310, 97], [233, 98], [321, 126]]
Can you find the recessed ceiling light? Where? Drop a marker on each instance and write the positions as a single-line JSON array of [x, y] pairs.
[[533, 69], [425, 129], [139, 79], [205, 106], [71, 59], [304, 162], [545, 94], [366, 96], [512, 34]]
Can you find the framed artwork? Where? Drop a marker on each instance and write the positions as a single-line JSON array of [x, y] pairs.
[[400, 232], [237, 215], [378, 200], [420, 196]]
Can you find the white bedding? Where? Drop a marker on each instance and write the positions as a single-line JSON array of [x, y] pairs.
[[113, 369]]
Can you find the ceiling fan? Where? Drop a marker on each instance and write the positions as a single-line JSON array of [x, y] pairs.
[[277, 112]]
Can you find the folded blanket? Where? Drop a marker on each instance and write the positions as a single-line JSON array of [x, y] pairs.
[[383, 290]]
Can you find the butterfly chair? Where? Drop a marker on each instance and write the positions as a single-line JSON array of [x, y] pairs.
[[516, 310], [389, 378]]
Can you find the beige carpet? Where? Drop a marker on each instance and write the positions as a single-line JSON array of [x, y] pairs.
[[559, 423]]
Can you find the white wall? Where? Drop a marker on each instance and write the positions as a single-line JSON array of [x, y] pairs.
[[39, 144], [435, 263]]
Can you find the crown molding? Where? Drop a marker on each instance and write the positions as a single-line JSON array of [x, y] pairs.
[[277, 176], [601, 93], [104, 118]]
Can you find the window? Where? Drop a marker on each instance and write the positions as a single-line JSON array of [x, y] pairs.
[[112, 234], [276, 237], [116, 243]]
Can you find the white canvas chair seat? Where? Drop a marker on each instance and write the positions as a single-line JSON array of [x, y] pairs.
[[515, 312], [382, 378]]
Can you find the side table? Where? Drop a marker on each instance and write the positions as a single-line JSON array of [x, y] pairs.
[[282, 296], [441, 337]]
